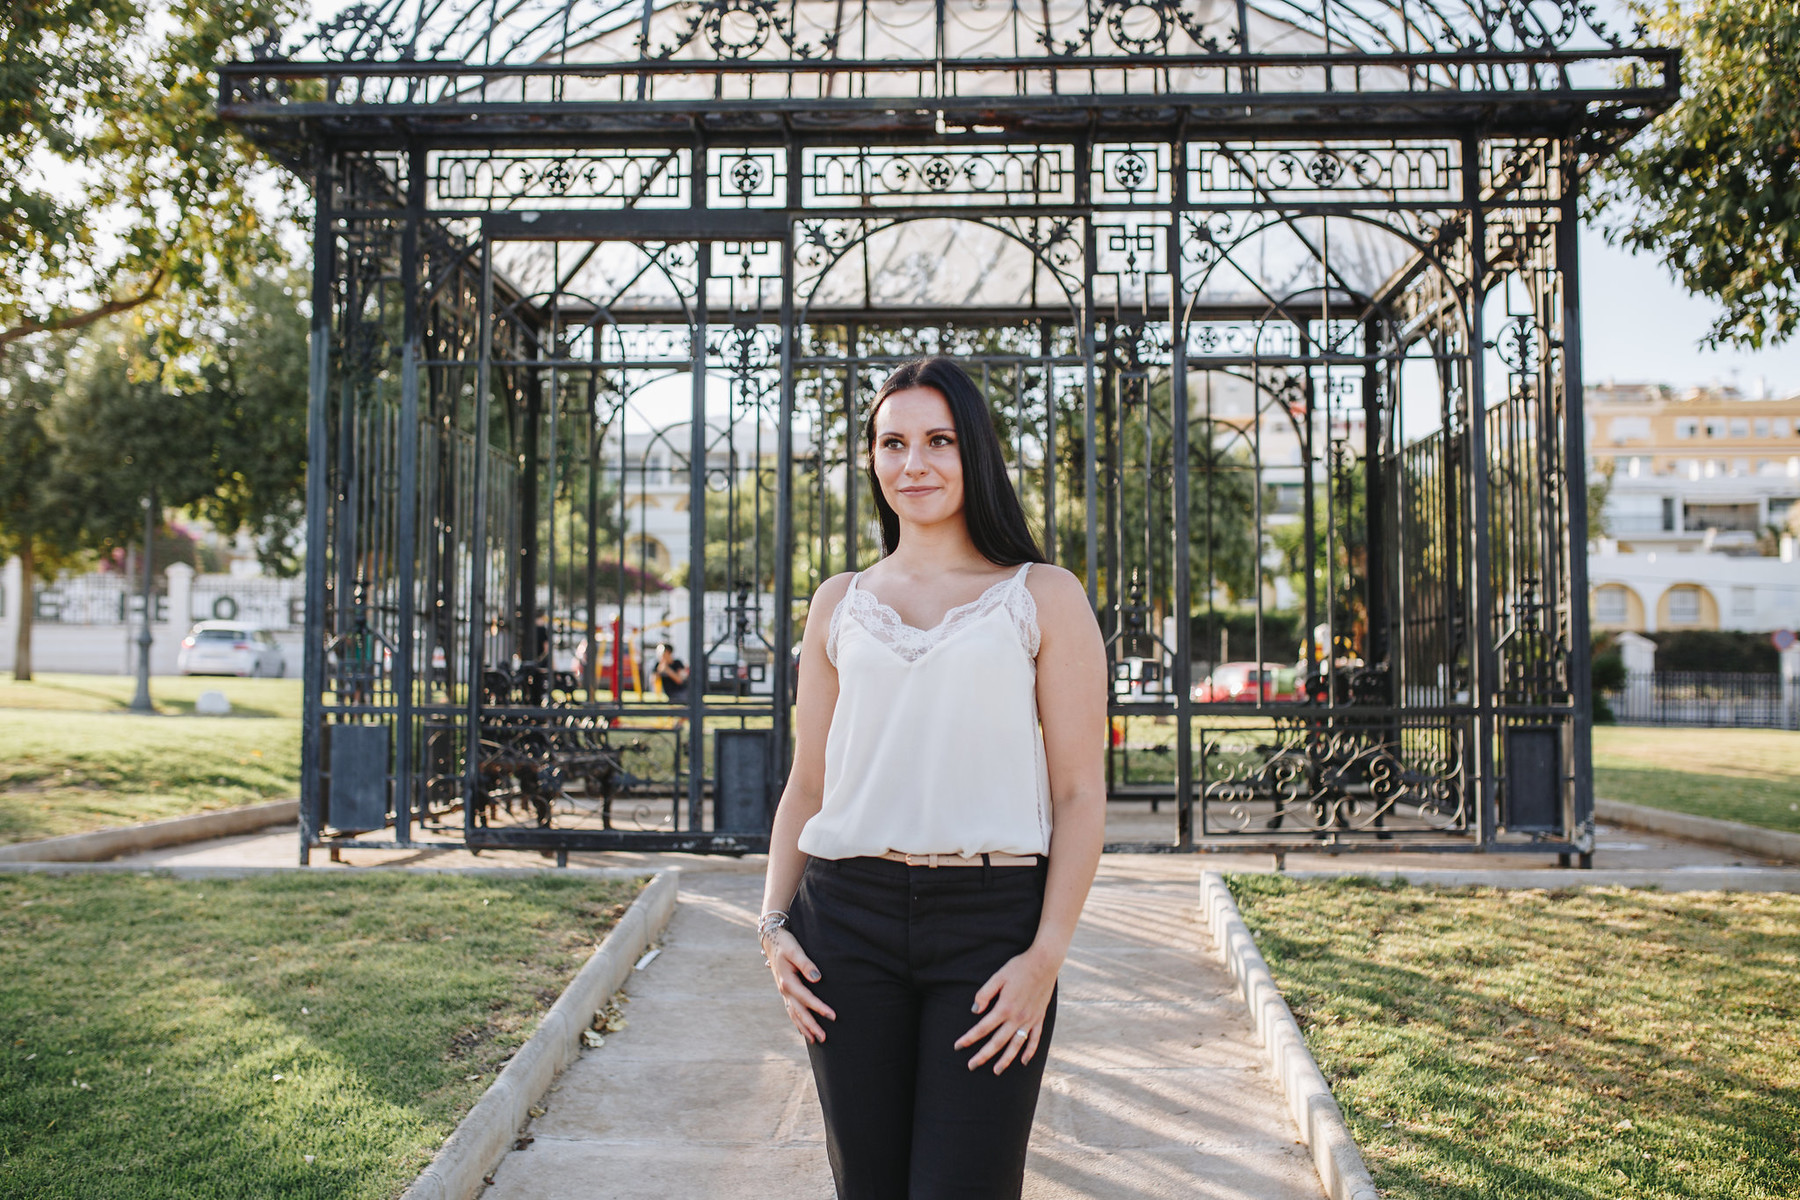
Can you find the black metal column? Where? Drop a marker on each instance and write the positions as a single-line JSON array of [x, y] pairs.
[[318, 469], [1580, 826], [478, 540], [405, 655], [1481, 645]]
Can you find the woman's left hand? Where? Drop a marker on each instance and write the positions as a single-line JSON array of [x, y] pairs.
[[1014, 999]]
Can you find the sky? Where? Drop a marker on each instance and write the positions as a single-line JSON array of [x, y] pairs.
[[1640, 326]]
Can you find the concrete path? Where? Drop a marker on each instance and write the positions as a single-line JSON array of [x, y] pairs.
[[1155, 1086], [1615, 848]]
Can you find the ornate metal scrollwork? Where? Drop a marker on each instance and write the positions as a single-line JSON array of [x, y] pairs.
[[1389, 170], [966, 175], [495, 180], [1302, 776], [740, 29]]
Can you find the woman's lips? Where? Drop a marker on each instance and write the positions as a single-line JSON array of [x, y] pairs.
[[916, 491]]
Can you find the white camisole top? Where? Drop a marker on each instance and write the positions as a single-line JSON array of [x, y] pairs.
[[934, 745]]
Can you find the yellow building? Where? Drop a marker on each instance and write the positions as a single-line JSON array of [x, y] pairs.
[[1707, 468]]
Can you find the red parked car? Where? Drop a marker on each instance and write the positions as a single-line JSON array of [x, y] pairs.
[[1239, 682]]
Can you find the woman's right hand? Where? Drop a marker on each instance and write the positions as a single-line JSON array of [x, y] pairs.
[[792, 972]]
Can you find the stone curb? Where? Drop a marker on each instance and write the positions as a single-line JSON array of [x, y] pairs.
[[1734, 835], [1321, 1121], [482, 1138], [1680, 879], [151, 835]]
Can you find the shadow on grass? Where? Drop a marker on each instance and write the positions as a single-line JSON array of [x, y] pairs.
[[227, 1029]]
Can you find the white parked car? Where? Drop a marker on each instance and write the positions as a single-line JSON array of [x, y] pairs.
[[230, 648]]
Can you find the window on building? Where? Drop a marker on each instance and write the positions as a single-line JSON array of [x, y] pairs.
[[1628, 514], [648, 550], [1684, 604], [1609, 605], [1630, 429], [1740, 427], [1743, 601], [1761, 426], [1687, 427], [1668, 514], [1715, 427], [1779, 508], [1726, 518]]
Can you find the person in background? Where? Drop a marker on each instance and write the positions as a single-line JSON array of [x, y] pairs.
[[671, 674]]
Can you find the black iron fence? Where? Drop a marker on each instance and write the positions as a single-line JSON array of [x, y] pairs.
[[1735, 699]]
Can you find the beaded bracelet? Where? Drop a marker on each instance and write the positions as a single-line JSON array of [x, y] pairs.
[[772, 920]]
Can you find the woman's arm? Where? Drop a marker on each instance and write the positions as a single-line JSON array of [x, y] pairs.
[[800, 799], [1071, 696]]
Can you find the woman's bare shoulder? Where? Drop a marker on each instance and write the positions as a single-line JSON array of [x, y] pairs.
[[832, 590], [1049, 582], [1060, 597], [826, 596]]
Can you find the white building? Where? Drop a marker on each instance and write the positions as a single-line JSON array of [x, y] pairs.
[[1654, 590]]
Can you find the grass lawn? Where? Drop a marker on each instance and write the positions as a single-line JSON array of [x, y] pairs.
[[1521, 1045], [173, 695], [183, 1039], [69, 772], [1748, 775]]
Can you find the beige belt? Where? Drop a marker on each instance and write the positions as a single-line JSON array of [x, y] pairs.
[[962, 860]]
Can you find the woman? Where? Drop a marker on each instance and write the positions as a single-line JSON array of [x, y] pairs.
[[933, 847]]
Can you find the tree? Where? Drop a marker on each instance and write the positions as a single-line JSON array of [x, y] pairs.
[[90, 426], [1599, 490], [33, 527], [125, 191], [1713, 186], [228, 443]]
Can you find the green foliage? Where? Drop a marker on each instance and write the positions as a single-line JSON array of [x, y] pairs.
[[1599, 488], [125, 190], [230, 445], [1606, 674], [1715, 650], [1713, 186], [1280, 631], [31, 522]]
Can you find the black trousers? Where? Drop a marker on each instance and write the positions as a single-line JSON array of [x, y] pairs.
[[901, 952]]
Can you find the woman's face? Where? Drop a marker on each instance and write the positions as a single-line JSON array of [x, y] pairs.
[[917, 460]]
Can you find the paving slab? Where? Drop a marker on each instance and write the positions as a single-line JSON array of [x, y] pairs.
[[1155, 1085]]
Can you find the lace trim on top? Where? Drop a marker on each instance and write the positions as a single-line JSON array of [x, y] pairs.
[[911, 643]]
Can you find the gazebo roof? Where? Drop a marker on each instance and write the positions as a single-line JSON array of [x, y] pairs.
[[491, 72]]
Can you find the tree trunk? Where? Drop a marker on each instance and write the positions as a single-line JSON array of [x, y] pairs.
[[27, 610]]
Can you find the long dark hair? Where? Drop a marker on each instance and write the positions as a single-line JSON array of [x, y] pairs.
[[991, 507]]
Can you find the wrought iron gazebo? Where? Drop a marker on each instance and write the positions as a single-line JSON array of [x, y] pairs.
[[1275, 305]]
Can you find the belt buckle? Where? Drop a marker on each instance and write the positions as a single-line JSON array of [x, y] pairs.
[[926, 860]]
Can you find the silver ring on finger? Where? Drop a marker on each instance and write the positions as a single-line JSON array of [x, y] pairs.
[[1019, 1033]]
